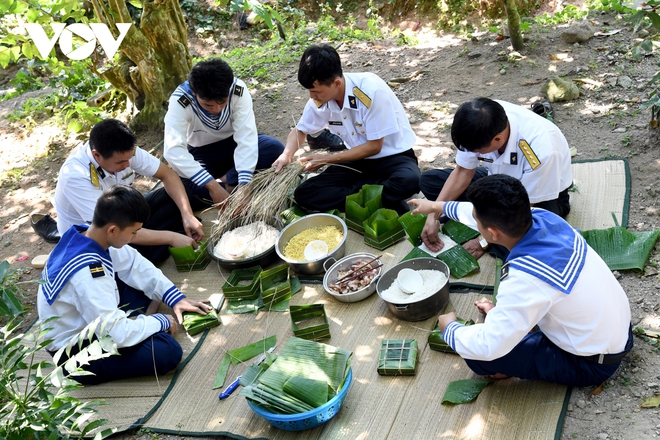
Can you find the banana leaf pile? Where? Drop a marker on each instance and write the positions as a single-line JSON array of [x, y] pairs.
[[398, 357], [620, 248], [437, 343], [304, 376], [382, 229], [360, 206], [195, 323]]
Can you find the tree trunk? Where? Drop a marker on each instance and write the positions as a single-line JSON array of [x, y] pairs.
[[513, 21], [153, 59]]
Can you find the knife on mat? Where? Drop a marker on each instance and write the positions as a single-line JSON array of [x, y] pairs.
[[232, 386]]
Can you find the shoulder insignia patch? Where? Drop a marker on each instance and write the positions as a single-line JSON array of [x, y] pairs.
[[96, 269], [184, 100], [319, 104], [238, 90], [93, 175], [529, 154], [352, 101], [364, 99], [504, 271]]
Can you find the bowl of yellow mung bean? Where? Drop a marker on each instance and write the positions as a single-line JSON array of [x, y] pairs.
[[306, 233]]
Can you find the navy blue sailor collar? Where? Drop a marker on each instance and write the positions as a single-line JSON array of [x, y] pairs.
[[73, 252], [211, 120], [551, 250]]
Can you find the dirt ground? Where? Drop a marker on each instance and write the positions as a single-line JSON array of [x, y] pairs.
[[601, 123]]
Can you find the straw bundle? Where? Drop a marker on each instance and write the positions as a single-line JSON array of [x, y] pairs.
[[259, 200]]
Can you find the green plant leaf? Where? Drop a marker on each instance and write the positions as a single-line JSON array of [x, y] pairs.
[[651, 401], [464, 391], [221, 375], [413, 225], [247, 352]]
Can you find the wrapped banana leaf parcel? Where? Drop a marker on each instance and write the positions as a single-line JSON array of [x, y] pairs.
[[304, 376], [398, 357], [195, 323]]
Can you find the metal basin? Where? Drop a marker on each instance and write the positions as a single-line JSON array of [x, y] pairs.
[[311, 267], [345, 264], [263, 259], [425, 308]]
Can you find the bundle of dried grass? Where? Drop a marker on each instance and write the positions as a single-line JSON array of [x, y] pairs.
[[260, 200]]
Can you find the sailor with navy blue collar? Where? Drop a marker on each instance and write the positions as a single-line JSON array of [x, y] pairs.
[[551, 279]]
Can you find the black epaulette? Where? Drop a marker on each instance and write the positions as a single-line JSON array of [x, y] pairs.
[[184, 100], [238, 90], [96, 269], [505, 271]]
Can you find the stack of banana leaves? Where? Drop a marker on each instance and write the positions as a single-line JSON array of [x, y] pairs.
[[304, 376], [438, 344]]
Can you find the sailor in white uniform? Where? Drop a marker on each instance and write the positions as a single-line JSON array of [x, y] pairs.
[[503, 138], [551, 279], [362, 110], [211, 137], [91, 275]]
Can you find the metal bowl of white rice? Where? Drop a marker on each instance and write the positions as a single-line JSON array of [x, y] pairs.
[[256, 251], [313, 266], [423, 304]]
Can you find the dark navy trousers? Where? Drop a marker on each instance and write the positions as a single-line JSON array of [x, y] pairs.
[[158, 354], [399, 175], [218, 160], [537, 358]]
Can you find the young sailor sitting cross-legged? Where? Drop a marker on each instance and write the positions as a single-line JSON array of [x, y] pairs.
[[91, 274]]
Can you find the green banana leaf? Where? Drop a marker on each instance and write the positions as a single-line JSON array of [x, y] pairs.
[[459, 261], [413, 225], [464, 391], [221, 375], [416, 253], [309, 312], [311, 391], [397, 357], [437, 343], [283, 304], [361, 205], [292, 214], [620, 248], [381, 222], [249, 351], [459, 232], [241, 306]]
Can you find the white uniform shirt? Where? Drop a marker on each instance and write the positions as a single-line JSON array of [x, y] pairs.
[[593, 318], [356, 122], [553, 175], [76, 192], [186, 123], [85, 298]]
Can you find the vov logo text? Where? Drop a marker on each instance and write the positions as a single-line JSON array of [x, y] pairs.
[[91, 33]]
